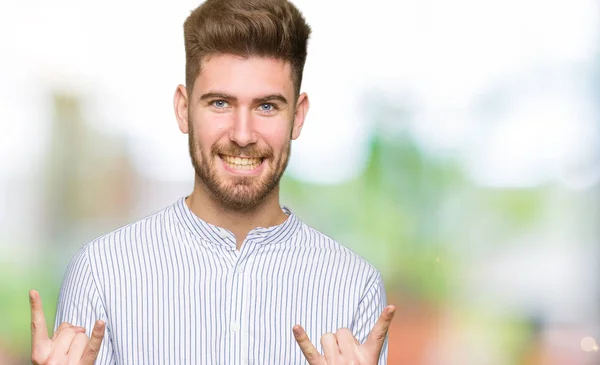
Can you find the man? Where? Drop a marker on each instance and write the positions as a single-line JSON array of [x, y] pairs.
[[226, 275]]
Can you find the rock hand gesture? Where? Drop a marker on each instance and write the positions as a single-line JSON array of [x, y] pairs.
[[68, 346], [343, 348]]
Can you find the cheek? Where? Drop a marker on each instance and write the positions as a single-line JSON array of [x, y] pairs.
[[278, 139], [208, 131]]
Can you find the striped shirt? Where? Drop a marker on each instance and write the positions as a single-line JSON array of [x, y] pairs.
[[173, 289]]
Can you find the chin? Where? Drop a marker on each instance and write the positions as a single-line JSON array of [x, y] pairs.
[[241, 203]]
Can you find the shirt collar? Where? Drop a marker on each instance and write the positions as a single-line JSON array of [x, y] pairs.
[[221, 236]]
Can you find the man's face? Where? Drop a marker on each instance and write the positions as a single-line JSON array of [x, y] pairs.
[[242, 116]]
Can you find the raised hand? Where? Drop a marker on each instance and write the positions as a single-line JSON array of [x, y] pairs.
[[68, 346], [342, 348]]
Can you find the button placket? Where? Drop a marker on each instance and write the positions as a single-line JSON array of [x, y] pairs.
[[237, 286], [246, 280], [223, 234], [239, 326]]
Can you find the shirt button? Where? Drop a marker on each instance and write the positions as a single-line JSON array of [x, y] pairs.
[[235, 327], [223, 234], [240, 270]]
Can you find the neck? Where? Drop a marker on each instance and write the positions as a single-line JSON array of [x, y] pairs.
[[266, 214]]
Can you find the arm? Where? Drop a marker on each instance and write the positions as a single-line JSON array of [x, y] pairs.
[[369, 309], [81, 304]]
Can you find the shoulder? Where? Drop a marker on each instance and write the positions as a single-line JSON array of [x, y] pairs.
[[329, 249], [132, 235]]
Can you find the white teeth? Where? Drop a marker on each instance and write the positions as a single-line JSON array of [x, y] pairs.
[[242, 163]]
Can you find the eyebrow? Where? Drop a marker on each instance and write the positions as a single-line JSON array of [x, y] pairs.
[[271, 97], [259, 100]]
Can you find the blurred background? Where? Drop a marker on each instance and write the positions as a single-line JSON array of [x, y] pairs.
[[452, 144]]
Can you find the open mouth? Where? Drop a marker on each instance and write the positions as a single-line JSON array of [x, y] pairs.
[[241, 163]]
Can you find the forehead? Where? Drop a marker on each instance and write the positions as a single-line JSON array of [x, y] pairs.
[[244, 76]]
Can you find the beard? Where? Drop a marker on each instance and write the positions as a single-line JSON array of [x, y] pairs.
[[239, 193]]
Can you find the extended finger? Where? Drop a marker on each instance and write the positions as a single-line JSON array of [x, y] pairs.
[[346, 341], [93, 346], [331, 350], [379, 332], [39, 331], [77, 347], [310, 352]]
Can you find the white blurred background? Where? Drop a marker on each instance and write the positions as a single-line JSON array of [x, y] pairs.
[[469, 129]]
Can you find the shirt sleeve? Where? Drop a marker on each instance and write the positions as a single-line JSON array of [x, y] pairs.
[[80, 303], [369, 309]]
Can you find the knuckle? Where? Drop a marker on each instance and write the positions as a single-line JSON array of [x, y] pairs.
[[328, 338], [343, 330], [35, 359], [309, 352], [92, 352], [68, 331], [62, 326], [80, 337], [38, 356]]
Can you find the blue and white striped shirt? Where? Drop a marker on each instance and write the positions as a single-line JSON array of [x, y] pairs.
[[174, 289]]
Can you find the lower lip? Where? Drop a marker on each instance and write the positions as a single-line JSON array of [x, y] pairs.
[[235, 171]]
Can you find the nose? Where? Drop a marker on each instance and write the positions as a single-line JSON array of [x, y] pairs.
[[242, 132]]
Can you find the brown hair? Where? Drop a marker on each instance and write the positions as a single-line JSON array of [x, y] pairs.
[[264, 28]]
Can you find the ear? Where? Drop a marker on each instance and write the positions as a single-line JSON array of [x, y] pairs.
[[181, 106], [300, 114]]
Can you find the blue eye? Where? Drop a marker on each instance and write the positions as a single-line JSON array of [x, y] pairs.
[[220, 103], [266, 107]]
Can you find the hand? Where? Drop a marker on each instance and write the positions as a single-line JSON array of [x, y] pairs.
[[343, 348], [68, 346]]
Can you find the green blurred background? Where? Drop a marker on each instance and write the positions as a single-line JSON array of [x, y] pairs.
[[454, 145]]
